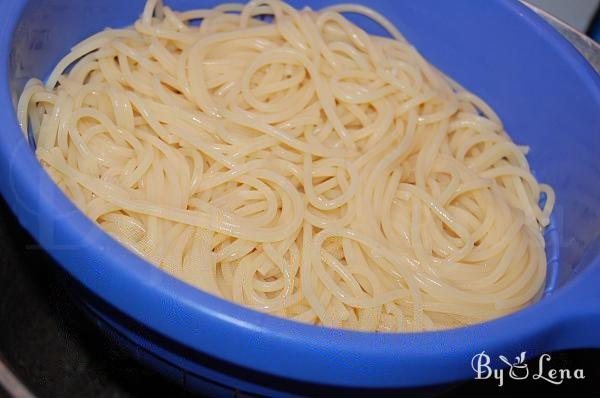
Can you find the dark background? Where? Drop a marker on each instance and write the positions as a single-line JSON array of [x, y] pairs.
[[57, 351]]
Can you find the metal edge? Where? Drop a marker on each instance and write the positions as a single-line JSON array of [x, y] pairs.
[[12, 384]]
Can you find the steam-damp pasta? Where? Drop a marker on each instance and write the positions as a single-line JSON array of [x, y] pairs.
[[290, 162]]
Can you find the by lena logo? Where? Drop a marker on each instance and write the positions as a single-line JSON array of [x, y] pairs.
[[519, 370]]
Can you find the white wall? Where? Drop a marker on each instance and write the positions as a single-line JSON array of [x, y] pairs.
[[577, 13]]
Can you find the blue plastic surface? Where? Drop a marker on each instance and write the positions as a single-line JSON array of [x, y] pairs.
[[545, 92]]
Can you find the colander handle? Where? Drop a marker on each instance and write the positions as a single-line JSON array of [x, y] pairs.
[[577, 312]]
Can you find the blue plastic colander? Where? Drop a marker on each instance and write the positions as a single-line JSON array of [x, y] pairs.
[[545, 92]]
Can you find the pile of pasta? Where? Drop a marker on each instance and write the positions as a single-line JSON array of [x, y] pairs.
[[290, 162]]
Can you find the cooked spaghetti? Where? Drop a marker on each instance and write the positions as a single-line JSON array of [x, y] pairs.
[[290, 162]]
